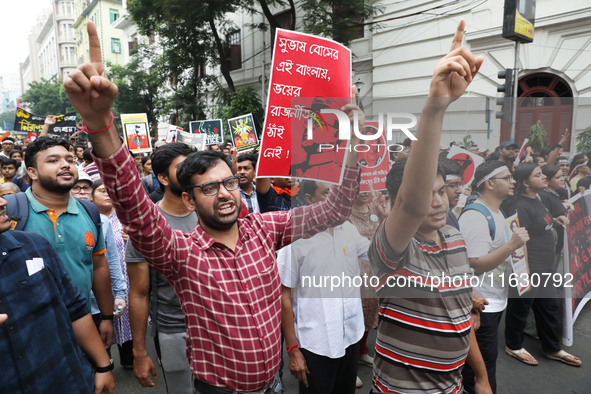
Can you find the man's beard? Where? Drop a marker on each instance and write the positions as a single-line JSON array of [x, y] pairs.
[[175, 188], [55, 187], [213, 222]]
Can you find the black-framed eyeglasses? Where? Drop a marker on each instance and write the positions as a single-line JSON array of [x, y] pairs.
[[78, 189], [507, 178], [212, 188]]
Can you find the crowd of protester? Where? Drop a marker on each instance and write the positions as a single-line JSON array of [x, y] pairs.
[[192, 249]]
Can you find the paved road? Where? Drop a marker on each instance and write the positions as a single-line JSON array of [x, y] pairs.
[[550, 377]]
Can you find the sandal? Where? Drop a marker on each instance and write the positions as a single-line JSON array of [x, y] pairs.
[[521, 352], [563, 356]]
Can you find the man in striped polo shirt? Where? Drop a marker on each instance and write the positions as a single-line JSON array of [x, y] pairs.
[[425, 296]]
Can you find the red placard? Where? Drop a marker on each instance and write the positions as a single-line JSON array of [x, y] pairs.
[[309, 73], [467, 160]]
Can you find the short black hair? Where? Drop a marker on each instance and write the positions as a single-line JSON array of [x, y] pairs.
[[495, 156], [483, 170], [41, 144], [87, 156], [450, 167], [394, 178], [546, 151], [79, 146], [12, 152], [163, 157], [307, 186], [249, 156], [198, 163], [7, 162]]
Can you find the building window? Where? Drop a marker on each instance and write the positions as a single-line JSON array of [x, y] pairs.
[[284, 20], [113, 14], [234, 51], [115, 45], [132, 45]]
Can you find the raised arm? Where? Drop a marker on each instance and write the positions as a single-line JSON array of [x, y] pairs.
[[557, 151], [49, 121], [451, 77], [92, 95]]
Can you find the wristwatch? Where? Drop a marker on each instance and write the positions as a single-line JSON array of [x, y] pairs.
[[105, 369]]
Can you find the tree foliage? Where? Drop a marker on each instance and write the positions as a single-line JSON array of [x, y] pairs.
[[141, 85], [467, 142], [347, 17], [537, 136], [584, 140], [47, 98], [243, 101], [192, 34]]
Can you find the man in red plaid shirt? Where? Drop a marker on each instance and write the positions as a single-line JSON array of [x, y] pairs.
[[224, 271]]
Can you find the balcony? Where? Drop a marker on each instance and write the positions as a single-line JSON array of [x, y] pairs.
[[66, 39], [60, 16], [68, 64]]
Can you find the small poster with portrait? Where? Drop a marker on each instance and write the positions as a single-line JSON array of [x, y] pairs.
[[518, 259], [136, 132], [171, 133], [243, 133]]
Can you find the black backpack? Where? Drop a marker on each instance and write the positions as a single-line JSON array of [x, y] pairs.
[[17, 211]]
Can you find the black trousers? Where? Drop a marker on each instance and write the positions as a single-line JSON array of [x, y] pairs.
[[331, 375], [487, 337], [546, 311]]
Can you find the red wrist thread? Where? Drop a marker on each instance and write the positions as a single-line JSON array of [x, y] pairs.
[[85, 129], [291, 348]]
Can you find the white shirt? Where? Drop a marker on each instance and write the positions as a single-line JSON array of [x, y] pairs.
[[476, 234], [326, 322], [250, 200]]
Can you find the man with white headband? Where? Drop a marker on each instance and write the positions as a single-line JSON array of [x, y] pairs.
[[484, 229]]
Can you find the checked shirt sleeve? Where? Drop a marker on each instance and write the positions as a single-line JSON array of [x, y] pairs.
[[312, 219], [148, 230]]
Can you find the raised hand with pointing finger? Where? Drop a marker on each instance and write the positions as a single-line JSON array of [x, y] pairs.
[[456, 70], [89, 90]]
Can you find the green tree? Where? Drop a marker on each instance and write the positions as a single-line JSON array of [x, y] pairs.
[[347, 17], [242, 102], [191, 35], [467, 142], [584, 140], [47, 98], [141, 85], [192, 38], [537, 136]]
